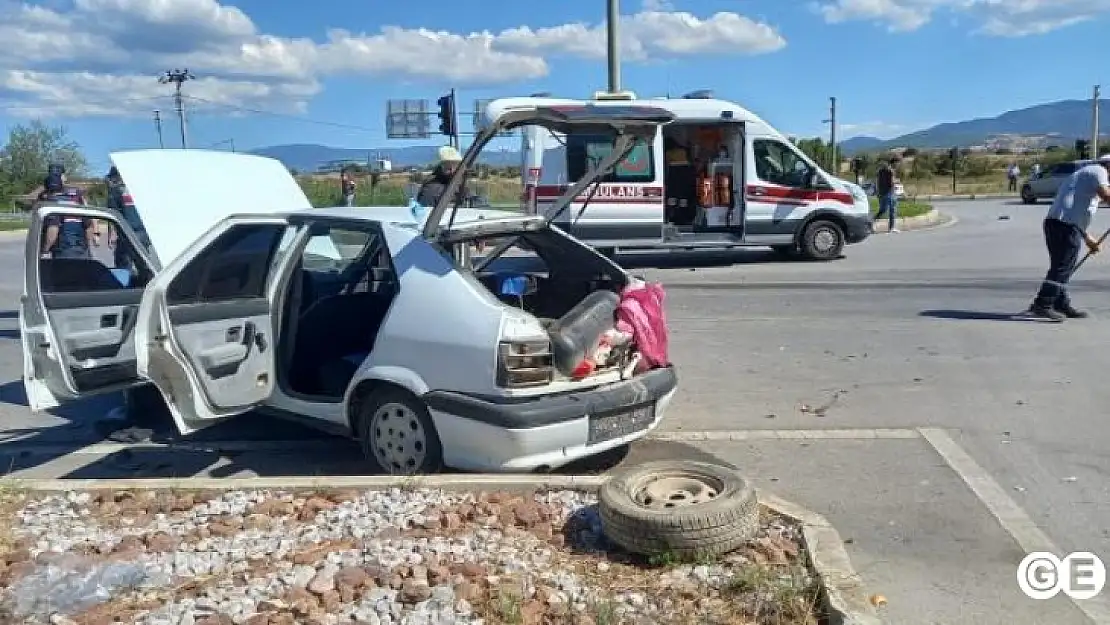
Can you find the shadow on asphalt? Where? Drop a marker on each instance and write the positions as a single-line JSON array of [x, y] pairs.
[[700, 259], [975, 315]]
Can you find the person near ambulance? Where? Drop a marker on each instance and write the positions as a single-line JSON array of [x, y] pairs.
[[433, 189], [1066, 229]]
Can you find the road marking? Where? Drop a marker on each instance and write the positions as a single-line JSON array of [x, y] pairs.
[[331, 444], [1010, 515], [750, 435]]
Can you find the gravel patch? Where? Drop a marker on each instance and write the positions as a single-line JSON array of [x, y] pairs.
[[384, 557]]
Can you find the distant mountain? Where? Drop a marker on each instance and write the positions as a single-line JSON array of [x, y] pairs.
[[856, 145], [1068, 120], [309, 157]]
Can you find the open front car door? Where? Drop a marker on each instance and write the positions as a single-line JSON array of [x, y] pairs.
[[205, 327], [79, 306]]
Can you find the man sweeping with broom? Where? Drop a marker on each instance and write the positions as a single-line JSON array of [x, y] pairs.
[[1065, 231]]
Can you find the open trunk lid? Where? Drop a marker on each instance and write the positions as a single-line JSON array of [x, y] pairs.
[[180, 194], [629, 123]]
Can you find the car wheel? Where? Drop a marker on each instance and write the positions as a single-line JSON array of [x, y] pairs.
[[822, 240], [1027, 195], [397, 433], [688, 509]]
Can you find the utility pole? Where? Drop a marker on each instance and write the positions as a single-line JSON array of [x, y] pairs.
[[1094, 123], [158, 128], [178, 77], [614, 46], [834, 164]]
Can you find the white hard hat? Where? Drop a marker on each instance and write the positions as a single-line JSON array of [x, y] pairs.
[[448, 154]]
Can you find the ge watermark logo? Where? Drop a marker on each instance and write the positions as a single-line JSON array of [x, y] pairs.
[[1080, 575]]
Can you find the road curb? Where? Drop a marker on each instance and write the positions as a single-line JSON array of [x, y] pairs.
[[931, 219], [842, 590], [964, 197]]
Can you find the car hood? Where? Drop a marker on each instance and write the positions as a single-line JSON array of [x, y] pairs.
[[180, 194]]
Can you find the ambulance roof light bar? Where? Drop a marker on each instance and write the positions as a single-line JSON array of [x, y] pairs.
[[603, 96]]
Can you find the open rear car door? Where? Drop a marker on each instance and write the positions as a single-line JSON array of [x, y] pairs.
[[206, 325], [77, 315]]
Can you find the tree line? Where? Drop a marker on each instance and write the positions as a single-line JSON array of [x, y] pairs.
[[27, 152]]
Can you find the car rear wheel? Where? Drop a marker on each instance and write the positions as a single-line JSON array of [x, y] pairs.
[[397, 433], [822, 240], [1027, 195]]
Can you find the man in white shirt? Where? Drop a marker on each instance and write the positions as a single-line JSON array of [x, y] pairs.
[[1065, 231]]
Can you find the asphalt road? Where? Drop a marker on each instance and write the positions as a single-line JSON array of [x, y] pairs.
[[908, 330]]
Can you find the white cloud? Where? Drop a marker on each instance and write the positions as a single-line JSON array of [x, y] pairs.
[[102, 57], [1000, 18], [650, 34]]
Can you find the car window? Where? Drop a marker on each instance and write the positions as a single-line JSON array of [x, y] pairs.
[[72, 261], [336, 250], [778, 163], [1064, 169], [234, 266], [585, 151]]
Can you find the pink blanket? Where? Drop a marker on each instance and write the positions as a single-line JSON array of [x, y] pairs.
[[641, 314]]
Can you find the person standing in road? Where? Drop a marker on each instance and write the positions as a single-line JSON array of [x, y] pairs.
[[347, 182], [433, 189], [1065, 230], [884, 188]]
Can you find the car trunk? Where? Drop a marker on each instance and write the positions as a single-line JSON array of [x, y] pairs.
[[569, 288]]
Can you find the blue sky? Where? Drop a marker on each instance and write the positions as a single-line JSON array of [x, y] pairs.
[[285, 71]]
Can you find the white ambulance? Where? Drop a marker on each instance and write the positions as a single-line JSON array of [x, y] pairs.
[[716, 177]]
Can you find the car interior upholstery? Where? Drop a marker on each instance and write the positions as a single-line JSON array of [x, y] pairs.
[[332, 319]]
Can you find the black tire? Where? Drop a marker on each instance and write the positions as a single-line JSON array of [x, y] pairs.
[[1027, 195], [822, 240], [411, 414], [709, 528]]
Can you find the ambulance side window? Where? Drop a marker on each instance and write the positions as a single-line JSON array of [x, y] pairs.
[[778, 163], [584, 152]]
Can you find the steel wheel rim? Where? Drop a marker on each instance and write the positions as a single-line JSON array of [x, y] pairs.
[[824, 240], [398, 439], [676, 490]]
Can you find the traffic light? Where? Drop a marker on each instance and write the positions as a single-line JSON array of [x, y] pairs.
[[447, 114], [1082, 148]]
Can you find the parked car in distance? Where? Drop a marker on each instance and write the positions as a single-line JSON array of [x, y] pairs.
[[1045, 185], [374, 324]]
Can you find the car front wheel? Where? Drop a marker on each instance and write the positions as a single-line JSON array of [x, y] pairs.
[[397, 433], [822, 240], [1027, 195]]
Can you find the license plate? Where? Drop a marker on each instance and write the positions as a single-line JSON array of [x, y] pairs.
[[617, 424]]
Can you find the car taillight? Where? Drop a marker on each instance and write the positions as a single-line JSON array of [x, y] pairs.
[[521, 364], [127, 201]]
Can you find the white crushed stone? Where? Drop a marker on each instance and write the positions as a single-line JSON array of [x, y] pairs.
[[60, 523]]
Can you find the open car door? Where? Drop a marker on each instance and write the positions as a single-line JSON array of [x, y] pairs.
[[206, 325], [626, 123], [79, 306]]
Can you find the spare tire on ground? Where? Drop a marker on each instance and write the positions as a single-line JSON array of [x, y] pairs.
[[681, 508]]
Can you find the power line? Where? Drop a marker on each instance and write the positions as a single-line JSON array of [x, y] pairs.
[[306, 120]]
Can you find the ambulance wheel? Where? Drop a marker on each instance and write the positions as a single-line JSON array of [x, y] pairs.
[[822, 240]]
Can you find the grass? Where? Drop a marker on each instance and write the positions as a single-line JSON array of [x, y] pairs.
[[906, 208], [776, 595], [994, 183]]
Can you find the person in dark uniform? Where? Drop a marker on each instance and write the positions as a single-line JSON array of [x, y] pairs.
[[67, 236], [436, 186]]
